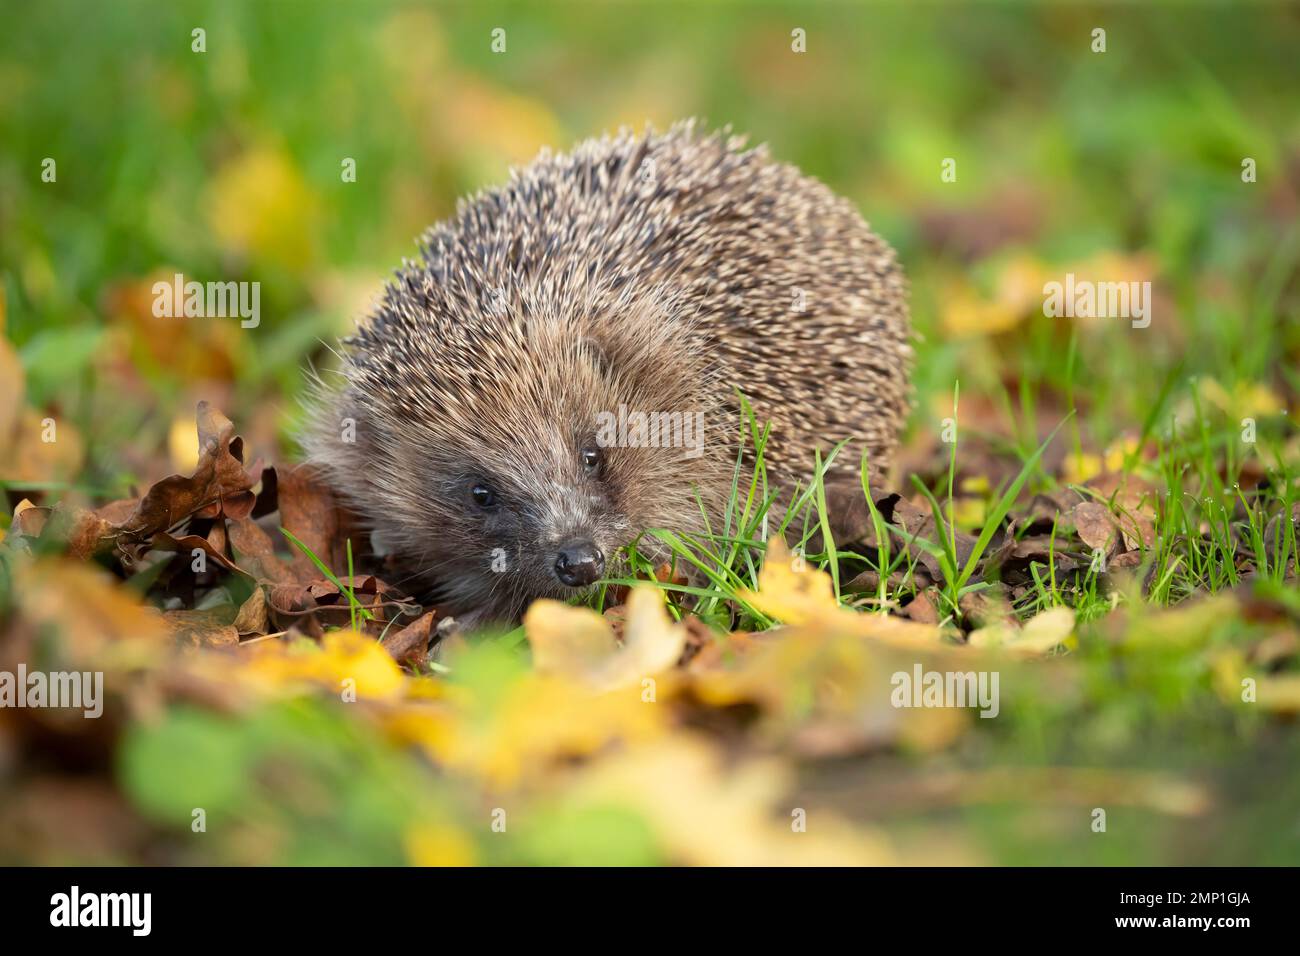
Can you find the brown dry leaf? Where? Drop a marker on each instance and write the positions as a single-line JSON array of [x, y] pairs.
[[230, 481], [291, 605], [81, 534], [209, 628], [188, 544], [310, 512], [665, 574], [254, 552], [220, 486], [1046, 508], [254, 615], [1133, 501], [319, 604], [924, 607], [987, 607], [1095, 525], [410, 645]]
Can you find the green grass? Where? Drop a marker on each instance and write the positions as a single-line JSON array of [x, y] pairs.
[[355, 608], [1202, 532]]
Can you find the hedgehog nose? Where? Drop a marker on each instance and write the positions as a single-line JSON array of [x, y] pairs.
[[579, 563]]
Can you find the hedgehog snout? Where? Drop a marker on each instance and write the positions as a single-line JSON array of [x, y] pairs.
[[579, 563]]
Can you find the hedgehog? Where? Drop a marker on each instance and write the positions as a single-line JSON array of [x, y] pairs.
[[565, 365]]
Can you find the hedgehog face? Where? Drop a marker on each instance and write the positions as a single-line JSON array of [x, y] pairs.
[[544, 493], [539, 515], [525, 476], [510, 457]]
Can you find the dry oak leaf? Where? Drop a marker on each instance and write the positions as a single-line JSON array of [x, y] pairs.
[[410, 645], [578, 643], [1095, 525], [312, 514], [81, 533], [220, 486]]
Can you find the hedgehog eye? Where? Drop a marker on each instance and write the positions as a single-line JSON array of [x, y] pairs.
[[591, 460], [483, 496]]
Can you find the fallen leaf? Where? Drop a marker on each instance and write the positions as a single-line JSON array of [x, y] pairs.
[[579, 643], [410, 645]]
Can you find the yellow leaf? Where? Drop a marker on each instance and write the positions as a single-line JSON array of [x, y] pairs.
[[527, 727], [706, 815], [183, 444], [12, 390], [790, 591], [578, 643], [348, 654], [342, 656], [436, 844], [969, 512], [1080, 467], [1018, 294], [1118, 451], [1280, 694], [967, 314], [1246, 400], [260, 205], [795, 593], [89, 611], [567, 640], [1040, 634], [493, 123]]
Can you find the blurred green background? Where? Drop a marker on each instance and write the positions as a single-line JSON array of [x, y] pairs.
[[225, 165]]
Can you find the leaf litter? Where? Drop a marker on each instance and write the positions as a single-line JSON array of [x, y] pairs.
[[248, 674]]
